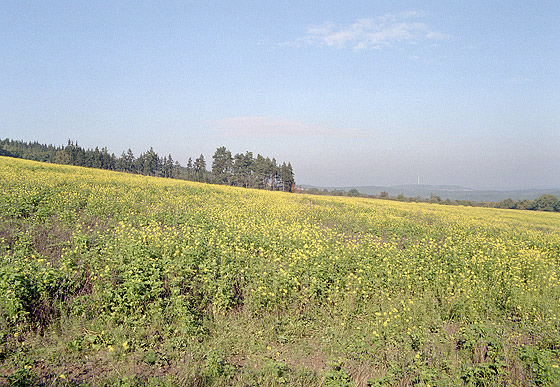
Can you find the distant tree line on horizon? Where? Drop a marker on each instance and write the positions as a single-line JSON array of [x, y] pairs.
[[241, 170], [546, 202]]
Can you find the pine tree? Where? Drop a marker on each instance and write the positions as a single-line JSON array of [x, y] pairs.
[[222, 166], [199, 168], [287, 177], [190, 169], [260, 179]]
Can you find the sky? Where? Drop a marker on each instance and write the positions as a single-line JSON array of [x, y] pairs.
[[352, 93]]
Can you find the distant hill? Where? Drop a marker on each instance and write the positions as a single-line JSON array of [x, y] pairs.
[[452, 192]]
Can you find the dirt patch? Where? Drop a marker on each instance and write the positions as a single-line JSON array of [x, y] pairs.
[[93, 370], [46, 238], [50, 239], [8, 229]]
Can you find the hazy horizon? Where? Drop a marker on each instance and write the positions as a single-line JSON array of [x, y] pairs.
[[412, 185], [364, 93]]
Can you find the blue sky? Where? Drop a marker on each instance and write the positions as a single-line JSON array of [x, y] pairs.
[[352, 93]]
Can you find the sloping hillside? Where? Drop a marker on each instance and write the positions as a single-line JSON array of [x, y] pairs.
[[111, 278]]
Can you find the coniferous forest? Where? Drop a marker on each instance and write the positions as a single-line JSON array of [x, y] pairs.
[[241, 170]]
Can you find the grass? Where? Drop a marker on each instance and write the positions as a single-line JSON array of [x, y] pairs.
[[115, 279]]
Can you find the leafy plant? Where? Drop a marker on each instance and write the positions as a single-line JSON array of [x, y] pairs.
[[22, 377], [542, 364], [336, 376]]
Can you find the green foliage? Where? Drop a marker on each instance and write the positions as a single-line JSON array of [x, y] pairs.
[[393, 374], [482, 374], [214, 285], [543, 364], [217, 368], [354, 192], [29, 290], [547, 202], [22, 377], [246, 171], [336, 376]]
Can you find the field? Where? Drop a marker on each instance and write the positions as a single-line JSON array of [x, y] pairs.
[[116, 279]]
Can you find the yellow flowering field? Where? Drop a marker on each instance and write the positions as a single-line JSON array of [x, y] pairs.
[[112, 278]]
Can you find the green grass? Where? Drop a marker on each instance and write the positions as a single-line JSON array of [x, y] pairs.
[[117, 279]]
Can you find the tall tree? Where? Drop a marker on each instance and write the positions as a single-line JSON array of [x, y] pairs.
[[108, 161], [243, 169], [149, 163], [167, 166], [249, 162], [274, 175], [199, 167], [126, 162], [287, 177], [177, 170], [94, 158], [190, 169], [260, 166], [546, 202], [222, 166]]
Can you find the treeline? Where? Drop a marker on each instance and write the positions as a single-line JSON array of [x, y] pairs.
[[148, 163], [546, 202], [242, 170]]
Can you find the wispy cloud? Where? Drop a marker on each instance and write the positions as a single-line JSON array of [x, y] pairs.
[[371, 33], [262, 126]]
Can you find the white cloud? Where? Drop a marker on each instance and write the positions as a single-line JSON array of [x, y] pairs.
[[262, 126], [373, 33]]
